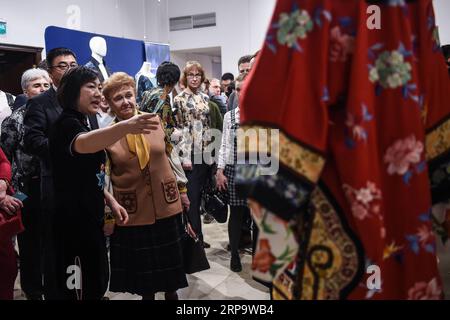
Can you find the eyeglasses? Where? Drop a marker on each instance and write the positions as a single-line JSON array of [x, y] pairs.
[[244, 71], [192, 76], [64, 66]]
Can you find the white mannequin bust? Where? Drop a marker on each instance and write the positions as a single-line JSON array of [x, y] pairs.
[[98, 48], [146, 70], [99, 51]]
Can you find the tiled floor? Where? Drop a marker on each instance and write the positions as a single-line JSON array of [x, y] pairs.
[[219, 283]]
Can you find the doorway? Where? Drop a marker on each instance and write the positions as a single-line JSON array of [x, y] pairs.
[[14, 60]]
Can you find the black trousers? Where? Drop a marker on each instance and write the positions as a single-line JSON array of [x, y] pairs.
[[197, 179], [48, 217], [80, 242], [238, 214], [30, 241]]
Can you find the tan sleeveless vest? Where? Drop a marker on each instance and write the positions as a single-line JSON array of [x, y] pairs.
[[149, 194]]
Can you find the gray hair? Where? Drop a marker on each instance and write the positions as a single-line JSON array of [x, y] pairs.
[[215, 80], [33, 74]]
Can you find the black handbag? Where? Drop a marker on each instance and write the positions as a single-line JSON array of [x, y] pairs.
[[214, 202], [194, 256], [216, 205]]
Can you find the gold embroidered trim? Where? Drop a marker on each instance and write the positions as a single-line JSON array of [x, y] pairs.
[[332, 257], [263, 140], [438, 141]]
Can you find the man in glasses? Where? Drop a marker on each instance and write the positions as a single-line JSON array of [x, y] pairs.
[[42, 111], [244, 68]]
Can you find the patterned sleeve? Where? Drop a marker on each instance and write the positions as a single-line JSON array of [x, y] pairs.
[[436, 112], [9, 137], [292, 125], [284, 134], [181, 134]]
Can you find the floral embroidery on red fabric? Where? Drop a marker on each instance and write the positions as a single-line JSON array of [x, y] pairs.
[[425, 291], [404, 158], [342, 45], [356, 130]]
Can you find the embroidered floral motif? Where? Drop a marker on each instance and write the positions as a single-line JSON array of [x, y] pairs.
[[277, 246], [425, 291], [342, 45], [263, 259], [424, 237], [355, 130], [101, 177], [392, 250], [319, 12], [128, 200], [365, 201], [293, 27], [404, 158], [170, 191], [390, 70], [292, 192]]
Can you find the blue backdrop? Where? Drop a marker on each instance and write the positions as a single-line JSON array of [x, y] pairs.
[[156, 53], [123, 54]]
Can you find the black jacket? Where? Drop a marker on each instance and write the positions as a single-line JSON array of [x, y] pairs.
[[42, 112], [93, 64]]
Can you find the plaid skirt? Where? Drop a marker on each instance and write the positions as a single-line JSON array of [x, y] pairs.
[[148, 259], [233, 199]]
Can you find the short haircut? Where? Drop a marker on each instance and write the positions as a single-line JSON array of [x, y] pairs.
[[117, 81], [57, 52], [43, 65], [227, 76], [70, 86], [189, 66], [245, 59], [168, 74], [31, 75], [215, 80]]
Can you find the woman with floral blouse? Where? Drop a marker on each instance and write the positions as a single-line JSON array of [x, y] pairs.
[[193, 121]]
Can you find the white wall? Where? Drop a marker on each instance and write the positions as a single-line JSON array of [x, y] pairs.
[[132, 19], [242, 24], [442, 10], [241, 27]]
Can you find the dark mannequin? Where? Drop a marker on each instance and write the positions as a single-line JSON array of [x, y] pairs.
[[145, 80], [97, 62]]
